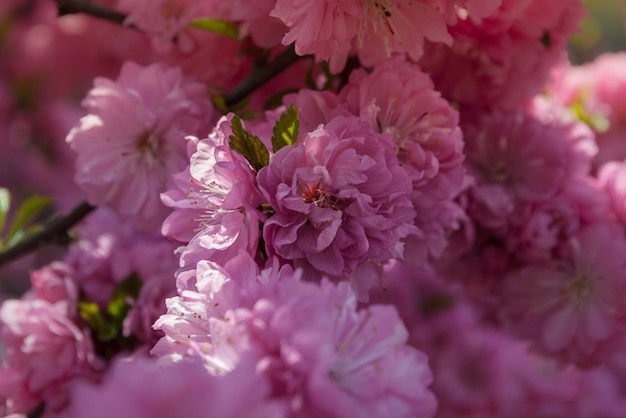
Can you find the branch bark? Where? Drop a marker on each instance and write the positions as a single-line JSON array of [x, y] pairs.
[[261, 75], [54, 232], [68, 7]]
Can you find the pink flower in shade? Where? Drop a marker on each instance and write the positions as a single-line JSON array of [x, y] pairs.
[[612, 180], [163, 20], [398, 99], [132, 140], [141, 388], [322, 356], [504, 58], [253, 18], [44, 351], [329, 29], [540, 231], [215, 202], [340, 198], [514, 159], [596, 91], [55, 283], [574, 307]]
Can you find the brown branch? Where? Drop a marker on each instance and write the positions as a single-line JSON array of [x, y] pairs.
[[261, 75], [68, 7], [56, 232]]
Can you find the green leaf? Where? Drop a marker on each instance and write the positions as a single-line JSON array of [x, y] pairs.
[[96, 321], [286, 129], [127, 289], [248, 145], [27, 211], [5, 204], [595, 121], [219, 26]]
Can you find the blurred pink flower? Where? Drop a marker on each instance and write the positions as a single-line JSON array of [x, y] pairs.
[[132, 140], [574, 307], [141, 388], [44, 350]]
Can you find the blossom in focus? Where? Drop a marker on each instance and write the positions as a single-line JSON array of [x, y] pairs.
[[322, 356], [330, 29], [340, 198], [132, 139], [215, 202]]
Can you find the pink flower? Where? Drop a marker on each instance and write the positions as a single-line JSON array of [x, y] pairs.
[[573, 307], [612, 180], [132, 140], [330, 28], [340, 198], [215, 202], [322, 356], [504, 58], [54, 283], [163, 20], [399, 99], [141, 388], [516, 158], [44, 351], [595, 92]]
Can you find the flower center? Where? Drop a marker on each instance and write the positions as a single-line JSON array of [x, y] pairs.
[[314, 194]]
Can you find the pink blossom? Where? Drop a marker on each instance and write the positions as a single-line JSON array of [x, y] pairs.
[[340, 197], [143, 389], [505, 58], [397, 98], [573, 307], [132, 140], [215, 202], [321, 355], [44, 351], [330, 28], [612, 179], [54, 283], [514, 158], [163, 20], [595, 92]]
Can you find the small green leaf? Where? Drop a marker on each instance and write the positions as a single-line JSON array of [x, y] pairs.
[[5, 204], [286, 129], [248, 145], [27, 211], [127, 289], [94, 318], [595, 121], [219, 26]]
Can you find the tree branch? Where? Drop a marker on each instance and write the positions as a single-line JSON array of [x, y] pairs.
[[261, 75], [54, 232], [68, 7]]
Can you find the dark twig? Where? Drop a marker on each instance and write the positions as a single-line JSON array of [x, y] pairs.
[[54, 232], [68, 7], [261, 75]]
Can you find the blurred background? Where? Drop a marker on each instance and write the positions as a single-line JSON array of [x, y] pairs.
[[603, 30]]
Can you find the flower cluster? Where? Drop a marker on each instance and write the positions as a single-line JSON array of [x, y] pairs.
[[303, 209]]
